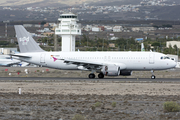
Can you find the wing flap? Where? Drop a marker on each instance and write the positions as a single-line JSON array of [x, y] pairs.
[[86, 64]]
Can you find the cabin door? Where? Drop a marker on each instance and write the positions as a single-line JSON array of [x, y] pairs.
[[151, 58], [42, 59]]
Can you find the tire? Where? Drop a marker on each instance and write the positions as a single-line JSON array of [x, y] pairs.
[[153, 77], [100, 75], [91, 76]]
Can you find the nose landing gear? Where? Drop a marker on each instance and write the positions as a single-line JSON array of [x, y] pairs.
[[153, 76]]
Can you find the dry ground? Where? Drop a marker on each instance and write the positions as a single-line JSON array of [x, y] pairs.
[[46, 72], [92, 99], [55, 100]]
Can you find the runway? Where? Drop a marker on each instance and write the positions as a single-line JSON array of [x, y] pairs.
[[87, 79]]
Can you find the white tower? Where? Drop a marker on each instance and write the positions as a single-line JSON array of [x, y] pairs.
[[68, 29]]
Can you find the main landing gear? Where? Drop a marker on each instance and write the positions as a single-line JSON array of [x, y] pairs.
[[92, 75], [100, 75], [153, 76]]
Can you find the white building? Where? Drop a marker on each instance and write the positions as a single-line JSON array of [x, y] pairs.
[[88, 28], [27, 25], [108, 28], [117, 29], [44, 30], [95, 29], [172, 43], [137, 29], [68, 29], [114, 38]]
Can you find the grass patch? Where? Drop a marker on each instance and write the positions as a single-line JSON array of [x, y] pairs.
[[78, 117], [18, 71], [113, 104], [97, 104], [171, 106]]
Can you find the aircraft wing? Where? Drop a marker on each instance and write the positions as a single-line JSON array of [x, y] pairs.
[[21, 56], [86, 64], [13, 63], [90, 65]]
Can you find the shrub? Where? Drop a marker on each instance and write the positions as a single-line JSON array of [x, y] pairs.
[[93, 108], [113, 104], [171, 106], [97, 104], [18, 71], [78, 117]]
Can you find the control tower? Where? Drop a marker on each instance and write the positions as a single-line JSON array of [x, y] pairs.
[[68, 28]]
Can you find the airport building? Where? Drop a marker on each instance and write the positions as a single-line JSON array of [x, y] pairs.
[[68, 28]]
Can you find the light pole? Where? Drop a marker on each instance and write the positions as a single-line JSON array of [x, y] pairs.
[[103, 45]]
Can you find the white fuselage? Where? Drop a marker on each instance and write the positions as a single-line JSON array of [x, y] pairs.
[[126, 60]]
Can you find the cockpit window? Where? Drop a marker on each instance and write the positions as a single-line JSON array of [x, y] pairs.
[[165, 57]]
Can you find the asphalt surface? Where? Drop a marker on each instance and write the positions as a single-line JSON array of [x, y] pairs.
[[87, 79]]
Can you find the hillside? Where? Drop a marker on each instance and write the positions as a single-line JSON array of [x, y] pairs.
[[42, 3]]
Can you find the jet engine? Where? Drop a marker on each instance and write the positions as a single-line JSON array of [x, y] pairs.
[[111, 70], [126, 73]]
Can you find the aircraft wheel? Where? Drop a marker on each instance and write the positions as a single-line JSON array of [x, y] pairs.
[[153, 77], [92, 75], [100, 75]]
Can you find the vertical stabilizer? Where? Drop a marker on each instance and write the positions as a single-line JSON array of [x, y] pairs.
[[142, 47], [25, 41]]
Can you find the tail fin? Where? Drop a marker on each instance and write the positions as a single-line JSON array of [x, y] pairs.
[[25, 41], [142, 47]]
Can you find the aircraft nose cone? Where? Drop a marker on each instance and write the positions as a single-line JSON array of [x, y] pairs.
[[174, 64]]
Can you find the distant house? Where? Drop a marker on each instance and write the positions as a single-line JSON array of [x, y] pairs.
[[44, 30], [88, 28], [48, 33], [53, 24], [95, 29], [108, 28], [137, 29], [27, 25], [172, 43], [117, 29], [37, 25], [46, 25], [114, 38], [111, 45], [6, 51]]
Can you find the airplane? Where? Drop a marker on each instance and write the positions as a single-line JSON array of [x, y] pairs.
[[104, 63], [7, 61]]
